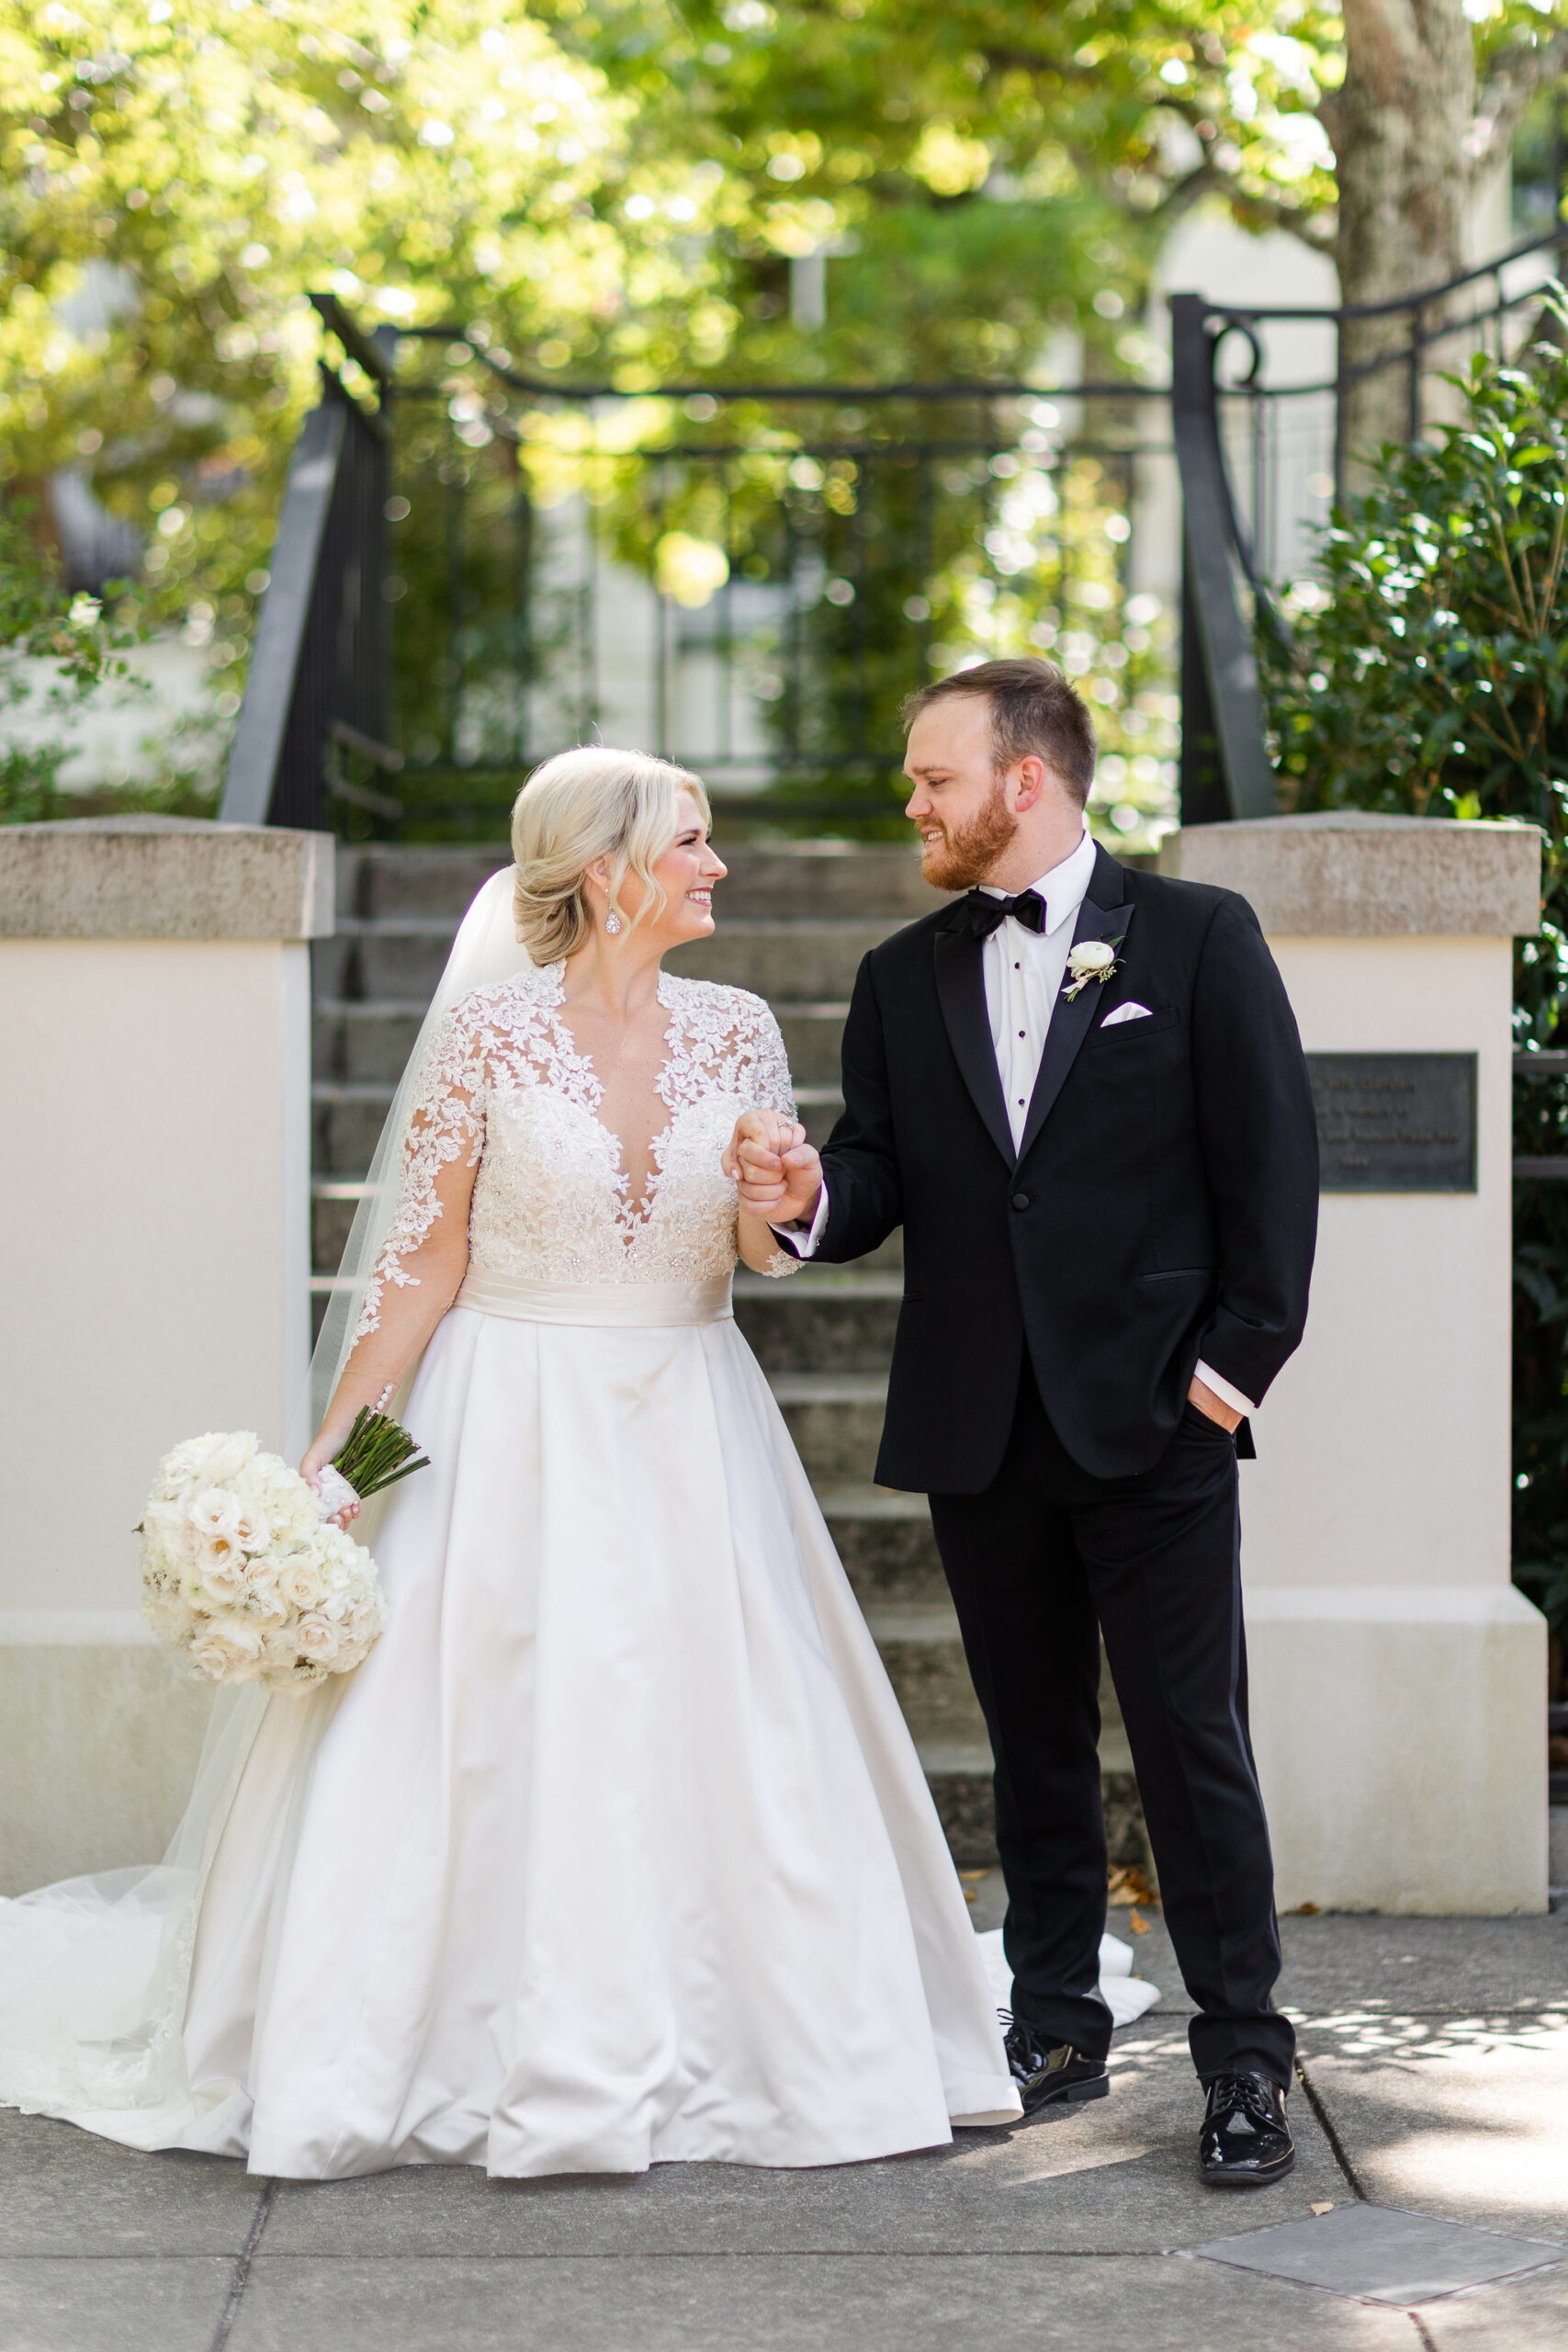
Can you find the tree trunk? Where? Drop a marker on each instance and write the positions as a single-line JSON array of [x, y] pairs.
[[1401, 126]]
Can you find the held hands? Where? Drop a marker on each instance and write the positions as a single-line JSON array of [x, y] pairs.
[[779, 1173]]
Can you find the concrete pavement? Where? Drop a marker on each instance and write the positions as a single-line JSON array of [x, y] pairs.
[[1436, 2058]]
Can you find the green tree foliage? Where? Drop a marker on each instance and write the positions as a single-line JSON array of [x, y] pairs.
[[188, 179], [606, 188], [1422, 669], [983, 168], [611, 185], [1424, 672], [55, 650]]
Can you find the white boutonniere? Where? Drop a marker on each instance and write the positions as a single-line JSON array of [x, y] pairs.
[[1091, 959]]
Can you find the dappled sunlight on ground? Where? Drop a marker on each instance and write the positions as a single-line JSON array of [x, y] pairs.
[[1465, 2115]]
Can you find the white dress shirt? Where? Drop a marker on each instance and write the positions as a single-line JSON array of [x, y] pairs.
[[1025, 972]]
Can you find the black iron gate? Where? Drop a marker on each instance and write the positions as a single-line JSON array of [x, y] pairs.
[[748, 578], [751, 578], [317, 691]]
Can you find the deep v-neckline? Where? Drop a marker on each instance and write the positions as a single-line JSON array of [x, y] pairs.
[[633, 1216]]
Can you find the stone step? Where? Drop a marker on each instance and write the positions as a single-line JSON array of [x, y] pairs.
[[332, 1204], [820, 1320], [886, 1542], [813, 1036], [811, 958], [958, 1774], [403, 958], [793, 922], [800, 958], [924, 1658], [785, 879], [825, 878], [363, 1042], [960, 1783], [923, 1653], [835, 1421], [347, 1120], [818, 1109], [389, 878]]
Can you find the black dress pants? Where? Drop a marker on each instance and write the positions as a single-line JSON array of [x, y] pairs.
[[1039, 1565]]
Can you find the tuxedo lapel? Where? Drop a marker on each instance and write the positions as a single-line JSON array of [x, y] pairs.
[[1072, 1017], [961, 991]]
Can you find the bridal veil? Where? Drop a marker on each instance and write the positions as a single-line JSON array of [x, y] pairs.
[[94, 1971]]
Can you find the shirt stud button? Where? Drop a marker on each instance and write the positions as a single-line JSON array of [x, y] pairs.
[[1021, 1200]]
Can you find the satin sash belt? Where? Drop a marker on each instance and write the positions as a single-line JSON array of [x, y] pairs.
[[612, 1306]]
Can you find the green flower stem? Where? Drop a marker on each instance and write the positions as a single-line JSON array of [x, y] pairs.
[[376, 1454]]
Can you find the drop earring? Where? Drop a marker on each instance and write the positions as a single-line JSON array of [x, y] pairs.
[[611, 922]]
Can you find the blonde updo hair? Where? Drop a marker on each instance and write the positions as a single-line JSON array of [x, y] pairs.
[[580, 806]]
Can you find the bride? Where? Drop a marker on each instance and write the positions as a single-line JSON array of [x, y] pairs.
[[616, 1849]]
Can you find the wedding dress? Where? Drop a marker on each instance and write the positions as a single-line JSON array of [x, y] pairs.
[[616, 1849]]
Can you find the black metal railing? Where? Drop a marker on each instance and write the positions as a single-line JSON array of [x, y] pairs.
[[752, 576], [316, 698], [1265, 451], [749, 577]]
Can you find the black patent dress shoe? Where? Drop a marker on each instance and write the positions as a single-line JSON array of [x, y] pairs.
[[1050, 2074], [1245, 2142]]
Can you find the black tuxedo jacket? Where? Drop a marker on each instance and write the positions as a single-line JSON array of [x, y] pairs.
[[1163, 1205]]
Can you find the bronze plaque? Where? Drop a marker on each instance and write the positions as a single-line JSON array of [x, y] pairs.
[[1394, 1122]]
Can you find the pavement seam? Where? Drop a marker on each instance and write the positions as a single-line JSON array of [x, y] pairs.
[[747, 2254], [1429, 2341], [241, 2279], [1326, 2125]]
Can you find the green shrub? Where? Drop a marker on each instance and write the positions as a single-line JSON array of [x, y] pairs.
[[1424, 672], [41, 623]]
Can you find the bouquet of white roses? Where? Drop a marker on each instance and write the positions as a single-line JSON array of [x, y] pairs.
[[241, 1571]]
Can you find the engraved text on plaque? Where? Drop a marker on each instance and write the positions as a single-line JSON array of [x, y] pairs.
[[1395, 1122]]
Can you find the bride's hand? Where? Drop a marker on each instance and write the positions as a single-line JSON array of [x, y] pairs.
[[310, 1470], [779, 1173]]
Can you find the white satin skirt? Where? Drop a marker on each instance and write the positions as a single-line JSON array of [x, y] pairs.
[[615, 1850]]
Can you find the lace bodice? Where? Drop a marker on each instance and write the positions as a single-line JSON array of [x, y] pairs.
[[504, 1087]]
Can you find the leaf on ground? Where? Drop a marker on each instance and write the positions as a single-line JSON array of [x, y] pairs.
[[1137, 1922], [1130, 1885], [1326, 2206]]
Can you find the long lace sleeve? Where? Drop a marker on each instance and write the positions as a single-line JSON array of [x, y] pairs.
[[445, 1130], [768, 1084], [772, 1086]]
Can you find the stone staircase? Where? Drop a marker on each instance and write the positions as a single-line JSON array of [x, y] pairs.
[[793, 923]]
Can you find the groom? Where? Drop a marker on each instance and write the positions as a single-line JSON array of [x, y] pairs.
[[1080, 1091]]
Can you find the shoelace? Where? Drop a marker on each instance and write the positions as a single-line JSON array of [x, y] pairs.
[[1243, 2091]]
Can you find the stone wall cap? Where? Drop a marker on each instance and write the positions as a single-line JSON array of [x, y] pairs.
[[163, 877], [1356, 872]]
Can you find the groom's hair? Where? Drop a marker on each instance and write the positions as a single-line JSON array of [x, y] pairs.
[[1034, 712]]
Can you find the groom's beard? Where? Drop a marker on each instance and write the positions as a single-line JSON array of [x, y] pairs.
[[964, 855]]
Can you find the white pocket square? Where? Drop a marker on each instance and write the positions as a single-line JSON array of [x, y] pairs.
[[1125, 1012]]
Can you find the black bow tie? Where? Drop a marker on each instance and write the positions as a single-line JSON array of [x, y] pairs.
[[986, 914]]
